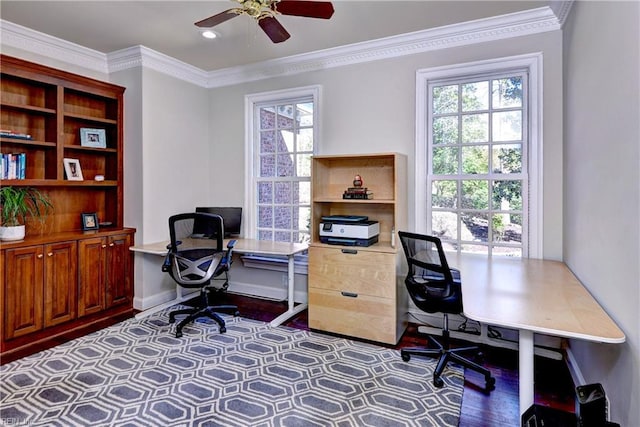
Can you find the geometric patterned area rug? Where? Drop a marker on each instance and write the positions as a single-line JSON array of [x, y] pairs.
[[136, 373]]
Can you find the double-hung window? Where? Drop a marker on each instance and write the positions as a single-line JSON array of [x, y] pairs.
[[476, 167], [282, 129]]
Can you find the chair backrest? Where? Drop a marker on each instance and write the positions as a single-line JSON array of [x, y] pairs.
[[181, 226], [432, 284], [193, 260]]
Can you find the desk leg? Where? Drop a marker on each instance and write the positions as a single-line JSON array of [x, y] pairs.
[[525, 354], [292, 310]]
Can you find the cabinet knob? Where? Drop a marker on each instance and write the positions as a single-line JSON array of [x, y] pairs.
[[111, 244], [50, 254], [104, 246], [39, 256]]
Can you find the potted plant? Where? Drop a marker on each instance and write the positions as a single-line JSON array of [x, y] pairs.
[[18, 204]]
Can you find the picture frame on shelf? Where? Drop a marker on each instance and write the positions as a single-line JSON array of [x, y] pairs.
[[94, 138], [73, 170], [89, 221]]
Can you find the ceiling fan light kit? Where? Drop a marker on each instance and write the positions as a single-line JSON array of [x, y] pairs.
[[209, 34], [265, 12]]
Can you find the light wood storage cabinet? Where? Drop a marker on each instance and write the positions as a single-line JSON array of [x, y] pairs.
[[353, 290], [55, 285]]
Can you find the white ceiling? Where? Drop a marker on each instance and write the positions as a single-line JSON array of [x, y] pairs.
[[168, 26]]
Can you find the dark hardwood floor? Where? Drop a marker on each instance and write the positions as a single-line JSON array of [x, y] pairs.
[[553, 384]]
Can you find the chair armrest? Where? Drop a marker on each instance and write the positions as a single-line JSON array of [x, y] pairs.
[[178, 243], [166, 265], [231, 244]]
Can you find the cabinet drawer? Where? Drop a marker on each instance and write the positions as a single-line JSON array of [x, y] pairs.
[[366, 317], [353, 271]]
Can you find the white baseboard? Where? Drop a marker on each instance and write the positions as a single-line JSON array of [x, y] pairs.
[[249, 289], [153, 300], [266, 292]]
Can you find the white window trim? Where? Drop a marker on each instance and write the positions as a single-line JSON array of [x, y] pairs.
[[533, 63], [251, 157]]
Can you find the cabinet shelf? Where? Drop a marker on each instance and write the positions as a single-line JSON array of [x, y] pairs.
[[57, 183], [91, 149], [91, 118], [28, 142], [29, 108], [357, 201], [376, 247]]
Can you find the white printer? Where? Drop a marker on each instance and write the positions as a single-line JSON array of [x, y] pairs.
[[349, 230]]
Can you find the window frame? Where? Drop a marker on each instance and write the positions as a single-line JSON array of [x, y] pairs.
[[252, 161], [533, 208]]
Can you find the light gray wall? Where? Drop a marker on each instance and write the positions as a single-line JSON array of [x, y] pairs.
[[133, 182], [370, 107], [166, 167], [602, 187]]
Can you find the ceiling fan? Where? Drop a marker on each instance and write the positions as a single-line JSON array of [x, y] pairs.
[[265, 11]]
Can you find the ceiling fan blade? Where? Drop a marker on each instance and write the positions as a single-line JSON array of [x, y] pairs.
[[309, 9], [214, 20], [273, 29]]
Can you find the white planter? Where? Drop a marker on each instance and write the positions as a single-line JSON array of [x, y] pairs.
[[8, 234]]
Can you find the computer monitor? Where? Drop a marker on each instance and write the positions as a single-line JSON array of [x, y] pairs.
[[231, 216]]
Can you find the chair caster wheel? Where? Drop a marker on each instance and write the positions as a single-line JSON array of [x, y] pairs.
[[178, 334], [438, 382], [491, 384], [406, 357], [236, 314], [223, 329]]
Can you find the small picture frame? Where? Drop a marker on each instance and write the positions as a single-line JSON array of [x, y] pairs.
[[73, 170], [94, 138], [89, 221]]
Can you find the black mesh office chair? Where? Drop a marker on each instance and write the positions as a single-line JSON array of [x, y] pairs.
[[436, 288], [199, 261]]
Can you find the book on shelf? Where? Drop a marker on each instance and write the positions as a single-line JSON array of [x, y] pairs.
[[7, 133], [13, 166], [357, 190], [358, 195]]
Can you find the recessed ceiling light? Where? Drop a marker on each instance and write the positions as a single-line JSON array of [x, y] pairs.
[[209, 34]]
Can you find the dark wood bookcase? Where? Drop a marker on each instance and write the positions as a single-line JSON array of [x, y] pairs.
[[60, 281]]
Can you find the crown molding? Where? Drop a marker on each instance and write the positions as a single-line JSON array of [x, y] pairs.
[[467, 33], [561, 8], [140, 56], [479, 31], [32, 41]]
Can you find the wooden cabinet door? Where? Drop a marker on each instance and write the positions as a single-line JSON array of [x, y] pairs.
[[61, 282], [119, 262], [23, 293], [92, 275]]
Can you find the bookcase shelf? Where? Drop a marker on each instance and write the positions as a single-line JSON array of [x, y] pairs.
[[52, 106]]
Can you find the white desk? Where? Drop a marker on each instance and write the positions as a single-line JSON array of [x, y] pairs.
[[258, 247], [532, 296]]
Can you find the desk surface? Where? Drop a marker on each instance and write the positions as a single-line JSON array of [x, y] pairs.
[[537, 295], [262, 247]]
